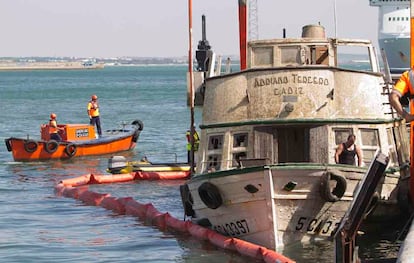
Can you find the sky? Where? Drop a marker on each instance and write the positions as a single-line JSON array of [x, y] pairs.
[[159, 28]]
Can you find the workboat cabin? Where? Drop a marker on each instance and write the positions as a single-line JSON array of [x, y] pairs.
[[298, 100]]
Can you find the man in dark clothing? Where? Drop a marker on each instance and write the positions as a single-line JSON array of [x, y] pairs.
[[345, 153]]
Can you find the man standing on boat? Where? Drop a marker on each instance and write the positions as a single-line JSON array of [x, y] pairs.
[[401, 88], [54, 129], [345, 153], [93, 112], [196, 142]]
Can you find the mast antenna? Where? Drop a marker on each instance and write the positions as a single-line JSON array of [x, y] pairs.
[[253, 20], [335, 20]]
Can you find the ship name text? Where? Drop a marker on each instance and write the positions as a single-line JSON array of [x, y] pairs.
[[284, 83]]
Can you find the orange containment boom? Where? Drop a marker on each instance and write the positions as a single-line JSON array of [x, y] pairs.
[[77, 188]]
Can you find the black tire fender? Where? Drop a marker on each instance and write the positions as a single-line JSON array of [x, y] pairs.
[[8, 145], [335, 194], [70, 149], [51, 146], [139, 124], [210, 195], [30, 146], [187, 200]]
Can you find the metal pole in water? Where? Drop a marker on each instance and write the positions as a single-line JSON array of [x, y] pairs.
[[190, 69], [243, 33]]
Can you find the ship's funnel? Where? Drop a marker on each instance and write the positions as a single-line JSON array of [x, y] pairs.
[[313, 31]]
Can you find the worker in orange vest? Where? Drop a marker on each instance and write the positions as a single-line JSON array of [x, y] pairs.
[[403, 86], [54, 128], [93, 113]]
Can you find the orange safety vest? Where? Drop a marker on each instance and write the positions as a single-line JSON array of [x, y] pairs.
[[93, 109], [53, 127], [196, 140]]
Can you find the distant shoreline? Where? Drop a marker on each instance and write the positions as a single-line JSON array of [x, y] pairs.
[[49, 65]]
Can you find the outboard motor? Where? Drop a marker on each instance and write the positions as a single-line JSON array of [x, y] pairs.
[[116, 164]]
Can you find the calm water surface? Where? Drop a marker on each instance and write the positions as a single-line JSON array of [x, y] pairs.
[[38, 226]]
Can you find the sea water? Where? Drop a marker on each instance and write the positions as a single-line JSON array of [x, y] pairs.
[[38, 226]]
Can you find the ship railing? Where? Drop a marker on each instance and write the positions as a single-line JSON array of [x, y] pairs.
[[212, 166]]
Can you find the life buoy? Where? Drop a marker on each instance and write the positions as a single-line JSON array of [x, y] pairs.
[[30, 146], [187, 200], [51, 146], [210, 195], [70, 149], [335, 194], [138, 123]]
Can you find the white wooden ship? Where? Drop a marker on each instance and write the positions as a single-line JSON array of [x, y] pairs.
[[266, 171]]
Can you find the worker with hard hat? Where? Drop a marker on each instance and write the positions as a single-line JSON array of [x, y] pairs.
[[54, 128], [93, 113]]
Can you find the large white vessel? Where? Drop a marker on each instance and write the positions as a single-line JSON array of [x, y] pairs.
[[394, 32]]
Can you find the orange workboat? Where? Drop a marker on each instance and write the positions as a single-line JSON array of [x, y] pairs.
[[77, 140]]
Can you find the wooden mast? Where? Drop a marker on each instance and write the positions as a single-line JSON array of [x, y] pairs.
[[243, 33], [191, 79]]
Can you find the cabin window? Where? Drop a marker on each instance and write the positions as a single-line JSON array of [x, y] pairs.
[[239, 150], [369, 144], [240, 140], [214, 153], [341, 135], [262, 56], [354, 58], [213, 162], [289, 55], [215, 142]]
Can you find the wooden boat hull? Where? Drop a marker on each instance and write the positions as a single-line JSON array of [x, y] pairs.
[[112, 141], [273, 206]]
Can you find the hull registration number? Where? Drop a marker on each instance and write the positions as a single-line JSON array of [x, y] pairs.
[[316, 226], [233, 228]]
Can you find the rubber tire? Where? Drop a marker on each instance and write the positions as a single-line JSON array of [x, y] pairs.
[[138, 123], [30, 146], [210, 195], [338, 192], [51, 146], [187, 200], [70, 149]]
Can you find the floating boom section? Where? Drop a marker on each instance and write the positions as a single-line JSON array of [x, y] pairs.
[[77, 188]]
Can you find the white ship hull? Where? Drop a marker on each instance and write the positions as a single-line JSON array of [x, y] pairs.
[[397, 51], [394, 32]]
